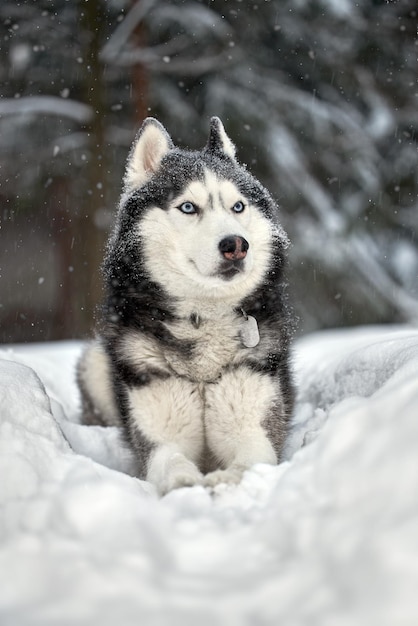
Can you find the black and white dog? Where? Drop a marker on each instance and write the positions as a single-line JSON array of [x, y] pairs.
[[192, 351]]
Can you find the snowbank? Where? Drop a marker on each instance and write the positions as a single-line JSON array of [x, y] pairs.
[[329, 537]]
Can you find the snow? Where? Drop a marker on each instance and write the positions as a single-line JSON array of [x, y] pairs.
[[329, 537]]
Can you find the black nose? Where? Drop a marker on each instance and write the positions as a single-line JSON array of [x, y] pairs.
[[234, 247]]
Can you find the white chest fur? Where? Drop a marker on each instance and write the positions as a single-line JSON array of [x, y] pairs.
[[216, 343]]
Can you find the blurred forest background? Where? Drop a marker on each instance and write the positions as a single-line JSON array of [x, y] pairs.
[[320, 97]]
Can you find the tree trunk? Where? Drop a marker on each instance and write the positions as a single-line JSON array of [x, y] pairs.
[[89, 238]]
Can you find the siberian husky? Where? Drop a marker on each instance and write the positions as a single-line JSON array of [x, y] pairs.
[[191, 356]]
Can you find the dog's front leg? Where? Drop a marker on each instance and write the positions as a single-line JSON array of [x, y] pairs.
[[245, 423], [166, 425]]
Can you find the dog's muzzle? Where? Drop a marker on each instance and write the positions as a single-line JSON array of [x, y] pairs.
[[233, 250]]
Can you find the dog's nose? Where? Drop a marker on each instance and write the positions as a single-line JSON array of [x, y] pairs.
[[234, 247]]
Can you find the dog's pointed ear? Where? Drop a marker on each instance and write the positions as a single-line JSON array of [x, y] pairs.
[[219, 143], [151, 144]]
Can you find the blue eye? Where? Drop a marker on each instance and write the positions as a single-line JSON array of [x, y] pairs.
[[238, 207], [188, 208]]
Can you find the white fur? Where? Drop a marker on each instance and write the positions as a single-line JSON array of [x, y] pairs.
[[234, 411], [152, 144], [217, 343], [168, 469], [227, 145], [142, 352], [177, 417], [188, 268], [170, 413], [95, 372]]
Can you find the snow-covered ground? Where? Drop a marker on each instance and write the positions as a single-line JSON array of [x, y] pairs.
[[328, 538]]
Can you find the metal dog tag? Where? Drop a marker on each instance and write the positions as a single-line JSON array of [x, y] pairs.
[[249, 332]]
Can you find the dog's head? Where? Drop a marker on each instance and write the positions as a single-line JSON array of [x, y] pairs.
[[204, 224]]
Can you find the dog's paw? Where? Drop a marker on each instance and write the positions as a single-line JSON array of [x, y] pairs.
[[231, 476], [183, 479], [181, 473]]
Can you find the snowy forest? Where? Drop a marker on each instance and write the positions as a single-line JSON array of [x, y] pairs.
[[319, 97]]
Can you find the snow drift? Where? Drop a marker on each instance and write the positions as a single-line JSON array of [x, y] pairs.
[[329, 537]]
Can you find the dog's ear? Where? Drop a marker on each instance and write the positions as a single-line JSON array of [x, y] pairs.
[[151, 144], [219, 143]]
